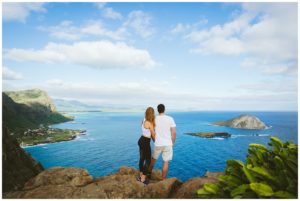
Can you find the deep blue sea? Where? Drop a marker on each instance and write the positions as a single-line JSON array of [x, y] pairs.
[[111, 142]]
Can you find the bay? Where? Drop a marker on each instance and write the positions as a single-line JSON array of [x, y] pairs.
[[111, 142]]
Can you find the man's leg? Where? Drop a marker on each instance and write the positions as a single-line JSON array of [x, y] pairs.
[[165, 169], [167, 155]]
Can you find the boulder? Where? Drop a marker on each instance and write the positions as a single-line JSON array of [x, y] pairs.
[[60, 176], [189, 188]]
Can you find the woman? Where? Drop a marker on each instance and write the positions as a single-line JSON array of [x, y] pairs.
[[148, 126]]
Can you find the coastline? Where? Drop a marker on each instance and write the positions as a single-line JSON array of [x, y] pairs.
[[52, 135]]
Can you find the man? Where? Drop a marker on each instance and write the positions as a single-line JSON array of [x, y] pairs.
[[165, 130]]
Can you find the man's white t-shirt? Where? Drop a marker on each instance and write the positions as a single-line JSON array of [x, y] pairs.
[[163, 137]]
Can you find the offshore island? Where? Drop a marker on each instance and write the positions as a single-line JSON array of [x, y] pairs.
[[243, 122], [240, 122]]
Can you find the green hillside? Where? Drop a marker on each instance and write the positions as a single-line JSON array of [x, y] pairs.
[[29, 109]]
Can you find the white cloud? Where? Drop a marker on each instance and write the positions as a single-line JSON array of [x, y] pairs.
[[221, 39], [108, 12], [8, 74], [96, 54], [97, 28], [20, 11], [271, 86], [140, 22], [229, 46], [67, 31], [181, 27], [264, 33], [137, 22], [100, 5]]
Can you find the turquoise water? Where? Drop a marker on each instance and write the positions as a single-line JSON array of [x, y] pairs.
[[111, 142]]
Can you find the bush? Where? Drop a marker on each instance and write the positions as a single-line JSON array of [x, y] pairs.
[[266, 174]]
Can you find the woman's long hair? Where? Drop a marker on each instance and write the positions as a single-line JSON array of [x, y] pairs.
[[150, 115]]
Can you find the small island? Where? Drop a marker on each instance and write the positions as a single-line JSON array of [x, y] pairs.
[[48, 135], [210, 134], [244, 122]]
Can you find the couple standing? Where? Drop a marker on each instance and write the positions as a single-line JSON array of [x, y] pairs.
[[162, 130]]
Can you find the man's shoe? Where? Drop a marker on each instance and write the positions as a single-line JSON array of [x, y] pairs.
[[149, 175], [146, 182]]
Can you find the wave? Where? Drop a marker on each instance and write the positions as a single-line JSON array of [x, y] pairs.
[[86, 139], [251, 135], [216, 138], [36, 145]]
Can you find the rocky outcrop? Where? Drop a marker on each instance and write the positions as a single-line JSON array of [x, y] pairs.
[[189, 188], [77, 183], [243, 121], [18, 166]]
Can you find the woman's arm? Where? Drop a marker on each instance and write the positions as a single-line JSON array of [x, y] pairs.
[[152, 132]]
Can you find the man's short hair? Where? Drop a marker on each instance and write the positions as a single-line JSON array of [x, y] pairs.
[[161, 108]]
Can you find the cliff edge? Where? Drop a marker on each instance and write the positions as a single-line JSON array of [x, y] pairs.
[[18, 166], [60, 182]]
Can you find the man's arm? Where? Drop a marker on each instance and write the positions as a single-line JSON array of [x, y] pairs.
[[173, 131]]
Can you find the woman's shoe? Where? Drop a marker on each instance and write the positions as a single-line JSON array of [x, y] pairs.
[[138, 178]]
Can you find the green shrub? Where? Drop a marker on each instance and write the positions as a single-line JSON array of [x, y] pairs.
[[266, 174]]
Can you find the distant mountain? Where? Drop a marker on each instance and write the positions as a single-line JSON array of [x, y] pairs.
[[243, 121], [74, 106], [28, 109]]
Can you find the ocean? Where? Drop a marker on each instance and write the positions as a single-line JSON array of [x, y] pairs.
[[111, 142]]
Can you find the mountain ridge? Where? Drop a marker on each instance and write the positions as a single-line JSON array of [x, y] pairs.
[[28, 109]]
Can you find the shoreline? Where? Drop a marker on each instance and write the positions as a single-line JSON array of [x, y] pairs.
[[59, 135]]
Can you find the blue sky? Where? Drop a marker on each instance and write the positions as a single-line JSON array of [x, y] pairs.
[[190, 56]]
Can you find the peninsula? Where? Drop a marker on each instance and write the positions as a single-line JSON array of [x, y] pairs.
[[27, 115]]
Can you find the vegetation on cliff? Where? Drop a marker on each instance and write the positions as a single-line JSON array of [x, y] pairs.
[[18, 166], [29, 109], [267, 173]]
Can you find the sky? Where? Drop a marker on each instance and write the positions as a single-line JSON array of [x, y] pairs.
[[189, 56]]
